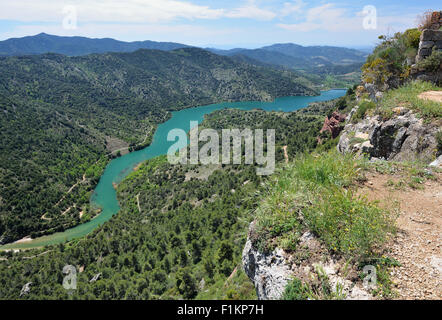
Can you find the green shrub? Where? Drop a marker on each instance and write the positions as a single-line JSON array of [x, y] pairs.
[[294, 187], [320, 186], [327, 169], [388, 60], [296, 290], [328, 145], [341, 103], [383, 265], [407, 96], [317, 288], [432, 63], [364, 106], [376, 71], [412, 38], [347, 224]]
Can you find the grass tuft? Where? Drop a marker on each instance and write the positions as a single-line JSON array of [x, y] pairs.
[[407, 96], [315, 192]]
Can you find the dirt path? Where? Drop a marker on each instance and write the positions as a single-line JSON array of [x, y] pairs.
[[138, 203], [431, 95], [71, 189], [43, 217], [69, 209], [418, 244]]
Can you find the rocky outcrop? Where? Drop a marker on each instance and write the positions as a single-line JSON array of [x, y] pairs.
[[271, 272], [404, 137], [333, 124], [429, 39]]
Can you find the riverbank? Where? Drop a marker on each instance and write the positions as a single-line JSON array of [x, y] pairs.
[[105, 197]]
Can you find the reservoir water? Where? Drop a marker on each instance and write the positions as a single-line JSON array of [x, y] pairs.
[[105, 196]]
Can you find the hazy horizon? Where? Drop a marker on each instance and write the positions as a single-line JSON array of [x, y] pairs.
[[217, 24], [211, 46]]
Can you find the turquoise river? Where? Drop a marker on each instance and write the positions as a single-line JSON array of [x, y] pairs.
[[105, 195]]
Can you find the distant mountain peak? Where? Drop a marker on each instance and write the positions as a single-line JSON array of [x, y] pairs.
[[76, 45]]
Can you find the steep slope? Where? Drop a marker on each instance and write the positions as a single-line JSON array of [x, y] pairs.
[[330, 221], [151, 76], [327, 216]]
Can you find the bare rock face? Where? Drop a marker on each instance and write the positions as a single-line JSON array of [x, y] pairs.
[[269, 272], [437, 163], [333, 124], [376, 92], [404, 137], [430, 41]]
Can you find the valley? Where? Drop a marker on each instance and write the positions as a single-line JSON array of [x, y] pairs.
[[93, 208], [78, 103], [104, 196], [168, 201]]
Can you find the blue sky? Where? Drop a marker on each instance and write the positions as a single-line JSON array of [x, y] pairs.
[[223, 24]]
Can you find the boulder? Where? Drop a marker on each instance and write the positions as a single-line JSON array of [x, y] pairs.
[[271, 272]]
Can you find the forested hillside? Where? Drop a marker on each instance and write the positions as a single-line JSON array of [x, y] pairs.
[[76, 46], [59, 115], [180, 231], [299, 57], [325, 66]]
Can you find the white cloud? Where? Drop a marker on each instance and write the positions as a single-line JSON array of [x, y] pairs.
[[292, 7], [110, 11], [185, 33], [173, 20], [325, 17], [132, 11], [252, 11]]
